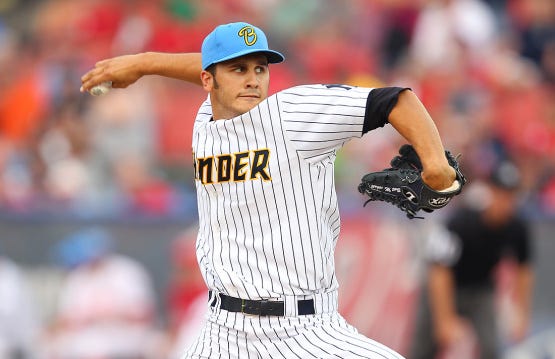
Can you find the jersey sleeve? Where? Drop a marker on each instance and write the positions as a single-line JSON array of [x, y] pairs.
[[379, 105], [320, 119], [204, 113]]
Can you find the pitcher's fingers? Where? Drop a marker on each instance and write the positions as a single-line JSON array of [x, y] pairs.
[[93, 78]]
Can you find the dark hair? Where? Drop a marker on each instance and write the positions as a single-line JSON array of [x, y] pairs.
[[505, 175], [212, 70]]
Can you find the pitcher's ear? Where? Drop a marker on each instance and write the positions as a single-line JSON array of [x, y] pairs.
[[207, 80]]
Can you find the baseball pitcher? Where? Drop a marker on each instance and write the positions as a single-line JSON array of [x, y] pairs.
[[268, 212]]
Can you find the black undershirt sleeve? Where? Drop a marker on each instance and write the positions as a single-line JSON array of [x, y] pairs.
[[379, 104]]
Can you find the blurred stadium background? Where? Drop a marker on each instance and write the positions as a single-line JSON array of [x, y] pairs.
[[485, 69]]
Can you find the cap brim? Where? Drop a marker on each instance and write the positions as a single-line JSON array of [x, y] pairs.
[[274, 57]]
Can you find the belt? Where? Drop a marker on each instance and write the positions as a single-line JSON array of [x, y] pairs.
[[260, 307]]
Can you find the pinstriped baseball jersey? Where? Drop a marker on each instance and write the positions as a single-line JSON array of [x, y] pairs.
[[268, 212]]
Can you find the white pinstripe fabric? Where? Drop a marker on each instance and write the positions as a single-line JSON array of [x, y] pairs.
[[327, 335], [266, 239], [272, 235]]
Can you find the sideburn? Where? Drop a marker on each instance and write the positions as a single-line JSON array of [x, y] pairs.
[[212, 70]]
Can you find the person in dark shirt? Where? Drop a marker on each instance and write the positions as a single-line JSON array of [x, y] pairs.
[[460, 278]]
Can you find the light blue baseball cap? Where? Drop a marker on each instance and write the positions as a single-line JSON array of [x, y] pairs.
[[233, 40]]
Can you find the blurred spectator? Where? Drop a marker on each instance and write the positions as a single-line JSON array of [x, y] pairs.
[[391, 24], [62, 151], [458, 302], [23, 102], [187, 294], [19, 324], [106, 304], [143, 192], [444, 28], [322, 52], [122, 123], [534, 20]]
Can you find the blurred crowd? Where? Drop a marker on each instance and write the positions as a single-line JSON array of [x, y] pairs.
[[103, 304], [485, 69]]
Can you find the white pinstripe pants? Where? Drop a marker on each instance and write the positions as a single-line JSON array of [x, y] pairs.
[[323, 335]]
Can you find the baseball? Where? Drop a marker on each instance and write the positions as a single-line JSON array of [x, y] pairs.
[[101, 89]]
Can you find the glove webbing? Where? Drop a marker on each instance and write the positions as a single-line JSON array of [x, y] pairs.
[[402, 203]]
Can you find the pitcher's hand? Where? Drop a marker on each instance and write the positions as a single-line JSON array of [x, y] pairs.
[[122, 71]]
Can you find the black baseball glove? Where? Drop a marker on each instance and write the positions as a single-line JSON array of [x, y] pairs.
[[402, 185]]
